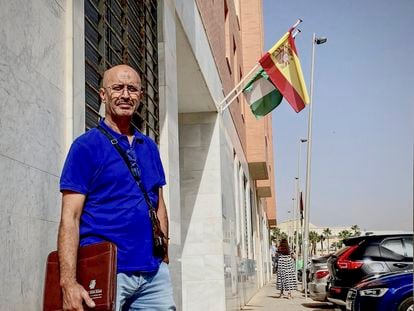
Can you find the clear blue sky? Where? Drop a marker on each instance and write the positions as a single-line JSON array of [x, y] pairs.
[[363, 111]]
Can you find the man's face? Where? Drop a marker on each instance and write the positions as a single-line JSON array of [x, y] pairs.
[[121, 92]]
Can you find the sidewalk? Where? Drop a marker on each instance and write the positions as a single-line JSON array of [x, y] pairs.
[[266, 300]]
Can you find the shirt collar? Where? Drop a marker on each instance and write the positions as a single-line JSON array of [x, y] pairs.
[[138, 136]]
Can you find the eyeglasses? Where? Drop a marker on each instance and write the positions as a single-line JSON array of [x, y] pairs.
[[118, 89]]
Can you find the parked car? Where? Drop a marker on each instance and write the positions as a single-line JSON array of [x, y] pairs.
[[365, 256], [319, 276], [387, 292]]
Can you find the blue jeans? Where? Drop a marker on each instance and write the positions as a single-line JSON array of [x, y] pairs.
[[150, 291]]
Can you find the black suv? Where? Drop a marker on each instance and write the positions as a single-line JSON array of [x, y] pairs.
[[365, 256]]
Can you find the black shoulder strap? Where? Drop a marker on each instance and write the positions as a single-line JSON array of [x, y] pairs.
[[134, 173]]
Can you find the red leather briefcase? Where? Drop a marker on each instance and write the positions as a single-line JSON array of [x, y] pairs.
[[96, 272]]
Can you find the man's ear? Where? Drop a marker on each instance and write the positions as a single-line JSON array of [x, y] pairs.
[[102, 95]]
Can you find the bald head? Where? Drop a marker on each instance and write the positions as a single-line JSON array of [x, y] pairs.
[[123, 72], [121, 93]]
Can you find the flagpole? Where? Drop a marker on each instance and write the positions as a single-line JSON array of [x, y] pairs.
[[232, 99], [315, 41], [297, 224], [238, 84], [296, 24]]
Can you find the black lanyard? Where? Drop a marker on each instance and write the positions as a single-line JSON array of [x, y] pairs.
[[134, 171]]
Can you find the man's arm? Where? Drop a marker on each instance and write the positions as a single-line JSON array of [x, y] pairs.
[[68, 241], [163, 218]]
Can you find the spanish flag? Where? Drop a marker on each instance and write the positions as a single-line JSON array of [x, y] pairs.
[[282, 65]]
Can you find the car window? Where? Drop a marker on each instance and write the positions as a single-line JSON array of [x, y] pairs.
[[392, 249], [408, 243]]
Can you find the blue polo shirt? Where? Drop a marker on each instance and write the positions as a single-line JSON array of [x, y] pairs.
[[115, 209]]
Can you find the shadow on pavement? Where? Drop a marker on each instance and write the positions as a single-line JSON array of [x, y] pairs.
[[321, 306], [251, 307]]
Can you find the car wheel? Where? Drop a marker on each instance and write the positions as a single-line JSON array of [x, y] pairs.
[[406, 305]]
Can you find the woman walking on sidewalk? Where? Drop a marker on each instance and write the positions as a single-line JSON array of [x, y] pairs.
[[285, 276]]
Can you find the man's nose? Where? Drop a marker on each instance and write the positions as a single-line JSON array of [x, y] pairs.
[[125, 93]]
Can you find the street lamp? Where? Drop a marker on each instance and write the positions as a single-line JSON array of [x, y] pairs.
[[315, 41], [292, 223], [297, 220], [289, 231]]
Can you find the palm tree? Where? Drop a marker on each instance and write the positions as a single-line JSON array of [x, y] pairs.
[[313, 238], [357, 231], [343, 235], [275, 234], [327, 233], [321, 239]]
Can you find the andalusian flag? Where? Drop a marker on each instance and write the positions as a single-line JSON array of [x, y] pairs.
[[261, 94], [282, 65]]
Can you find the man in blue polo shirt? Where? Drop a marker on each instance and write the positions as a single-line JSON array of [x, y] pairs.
[[102, 201]]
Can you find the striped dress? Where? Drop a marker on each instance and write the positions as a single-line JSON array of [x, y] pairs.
[[285, 276]]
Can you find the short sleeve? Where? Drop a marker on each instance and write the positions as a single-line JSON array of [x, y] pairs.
[[158, 165], [79, 169]]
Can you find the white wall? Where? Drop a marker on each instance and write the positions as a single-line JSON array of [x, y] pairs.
[[32, 144], [202, 234]]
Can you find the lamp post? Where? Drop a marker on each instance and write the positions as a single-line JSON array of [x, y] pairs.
[[292, 223], [315, 41], [289, 233], [297, 220]]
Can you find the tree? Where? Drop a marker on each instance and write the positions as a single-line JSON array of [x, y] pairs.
[[344, 234], [327, 233], [357, 231], [275, 234], [321, 239], [314, 239]]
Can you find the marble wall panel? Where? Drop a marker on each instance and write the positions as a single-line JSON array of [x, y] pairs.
[[210, 295], [197, 206], [31, 115], [190, 136], [27, 191], [169, 147], [78, 74], [22, 266], [42, 239], [199, 182], [200, 158], [13, 258], [34, 32]]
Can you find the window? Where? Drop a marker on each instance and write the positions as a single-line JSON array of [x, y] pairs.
[[392, 249], [119, 31], [408, 243]]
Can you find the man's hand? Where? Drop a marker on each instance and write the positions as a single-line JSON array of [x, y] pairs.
[[73, 296]]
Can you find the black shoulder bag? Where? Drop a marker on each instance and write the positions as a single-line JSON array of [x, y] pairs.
[[159, 238]]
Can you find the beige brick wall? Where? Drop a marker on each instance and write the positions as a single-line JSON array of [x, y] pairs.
[[235, 32], [259, 137]]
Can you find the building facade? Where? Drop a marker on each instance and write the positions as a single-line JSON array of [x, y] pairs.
[[219, 166]]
